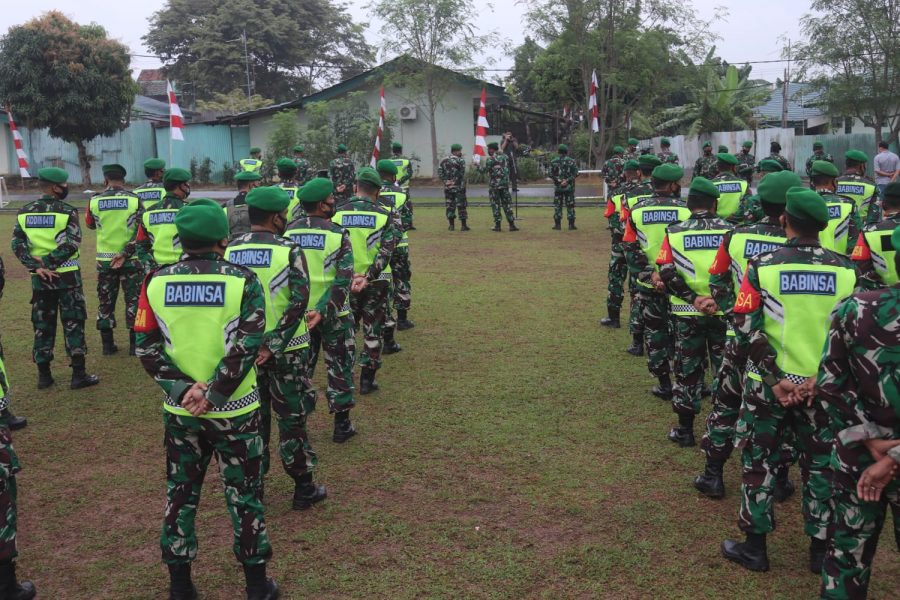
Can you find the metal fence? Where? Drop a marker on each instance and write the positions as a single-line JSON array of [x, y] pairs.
[[221, 144]]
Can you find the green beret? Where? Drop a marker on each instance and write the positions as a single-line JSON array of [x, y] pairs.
[[396, 146], [154, 164], [386, 166], [299, 149], [633, 141], [177, 175], [53, 175], [723, 150], [255, 150], [493, 146], [817, 145], [823, 167], [895, 238], [618, 150], [702, 185], [114, 169], [649, 160], [892, 190], [269, 198], [341, 148], [562, 149], [455, 147], [665, 142], [201, 222], [369, 175], [286, 165], [745, 169], [632, 165], [857, 155], [707, 144], [747, 144], [768, 165], [316, 190], [246, 176], [205, 202], [805, 203], [773, 188], [728, 159], [668, 172]]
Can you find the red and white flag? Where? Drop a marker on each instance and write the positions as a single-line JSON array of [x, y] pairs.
[[17, 141], [376, 151], [176, 119], [593, 108], [565, 111], [481, 128]]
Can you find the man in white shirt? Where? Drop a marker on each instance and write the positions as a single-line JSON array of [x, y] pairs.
[[887, 167]]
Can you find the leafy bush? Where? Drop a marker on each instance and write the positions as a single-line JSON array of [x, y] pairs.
[[529, 169]]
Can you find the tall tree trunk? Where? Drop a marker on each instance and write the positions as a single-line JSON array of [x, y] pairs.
[[431, 116], [84, 162]]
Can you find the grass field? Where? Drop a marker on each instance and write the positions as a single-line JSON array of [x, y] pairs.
[[512, 452]]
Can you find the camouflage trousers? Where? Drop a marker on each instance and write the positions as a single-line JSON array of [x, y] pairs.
[[616, 274], [698, 340], [130, 279], [238, 447], [401, 273], [500, 198], [763, 426], [718, 442], [335, 336], [561, 197], [657, 338], [284, 387], [68, 304], [456, 199], [9, 466], [636, 313], [369, 310]]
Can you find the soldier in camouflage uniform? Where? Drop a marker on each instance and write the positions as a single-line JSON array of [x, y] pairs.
[[751, 210], [116, 213], [613, 169], [342, 174], [874, 252], [775, 154], [287, 175], [335, 333], [497, 167], [633, 153], [452, 171], [155, 250], [12, 421], [746, 159], [46, 240], [665, 154], [844, 223], [687, 252], [788, 294], [236, 208], [855, 184], [705, 166], [818, 154], [211, 397], [405, 172], [563, 172], [304, 169], [392, 196], [857, 387], [618, 268], [733, 193], [152, 191]]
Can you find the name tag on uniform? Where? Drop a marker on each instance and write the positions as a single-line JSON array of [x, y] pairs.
[[251, 257], [162, 217], [703, 241], [149, 195], [754, 247], [357, 221], [112, 204], [731, 186], [847, 188], [808, 282], [834, 211], [309, 241], [195, 293], [650, 217], [40, 221]]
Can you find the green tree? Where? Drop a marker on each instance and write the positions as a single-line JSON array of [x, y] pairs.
[[439, 35], [283, 134], [292, 45], [347, 120], [853, 56], [233, 102], [68, 78]]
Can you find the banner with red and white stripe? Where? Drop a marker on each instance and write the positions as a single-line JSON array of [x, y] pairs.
[[17, 141], [176, 119], [376, 151], [481, 128], [593, 107]]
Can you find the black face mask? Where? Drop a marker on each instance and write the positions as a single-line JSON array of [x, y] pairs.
[[282, 226], [187, 192], [65, 192], [328, 210]]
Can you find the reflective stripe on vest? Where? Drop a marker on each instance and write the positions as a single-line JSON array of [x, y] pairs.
[[250, 164], [650, 226], [882, 252], [199, 315], [320, 248], [365, 229], [744, 246], [150, 196], [159, 224], [694, 253], [834, 236], [859, 192], [730, 193], [798, 301], [45, 232], [272, 266], [4, 397], [116, 219]]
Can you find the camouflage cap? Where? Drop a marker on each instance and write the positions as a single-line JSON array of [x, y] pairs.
[[53, 175], [248, 176], [201, 223], [727, 158], [633, 141], [747, 144], [702, 185], [618, 150], [114, 169], [455, 147], [665, 142], [668, 172], [386, 166], [176, 175], [269, 198], [773, 188], [823, 167], [286, 165], [768, 165], [804, 203], [857, 155], [632, 165], [316, 190], [255, 150], [154, 164], [649, 160], [369, 175]]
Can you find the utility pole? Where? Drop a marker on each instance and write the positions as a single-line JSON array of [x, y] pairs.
[[247, 64], [784, 93]]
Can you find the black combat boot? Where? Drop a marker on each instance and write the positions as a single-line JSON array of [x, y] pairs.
[[496, 227], [12, 589], [750, 554], [45, 378], [784, 487], [132, 343], [109, 342], [817, 550], [307, 493], [403, 323], [663, 391], [464, 226], [12, 421], [683, 433], [343, 427], [612, 320], [452, 226], [180, 585], [390, 344], [637, 345], [710, 483], [80, 378], [556, 224], [260, 587], [367, 383], [512, 226], [572, 225]]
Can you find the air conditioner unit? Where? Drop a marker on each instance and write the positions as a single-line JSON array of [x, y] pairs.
[[408, 113]]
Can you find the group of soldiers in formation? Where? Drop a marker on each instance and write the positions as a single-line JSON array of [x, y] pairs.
[[790, 296], [227, 308]]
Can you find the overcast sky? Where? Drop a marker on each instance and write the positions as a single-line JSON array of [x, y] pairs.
[[753, 31]]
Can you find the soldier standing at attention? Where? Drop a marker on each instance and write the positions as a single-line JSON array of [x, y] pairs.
[[12, 421], [157, 237], [153, 191], [212, 401], [236, 208], [854, 184], [46, 240], [645, 230], [329, 259], [775, 154], [392, 198], [843, 221], [746, 159], [632, 153], [618, 268], [612, 169], [874, 253], [342, 173], [404, 175], [563, 172], [254, 163], [282, 365], [733, 190], [287, 174], [497, 167], [452, 171], [751, 210], [116, 213], [374, 235], [787, 294], [818, 154], [401, 269], [665, 154], [304, 169], [687, 253], [705, 166]]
